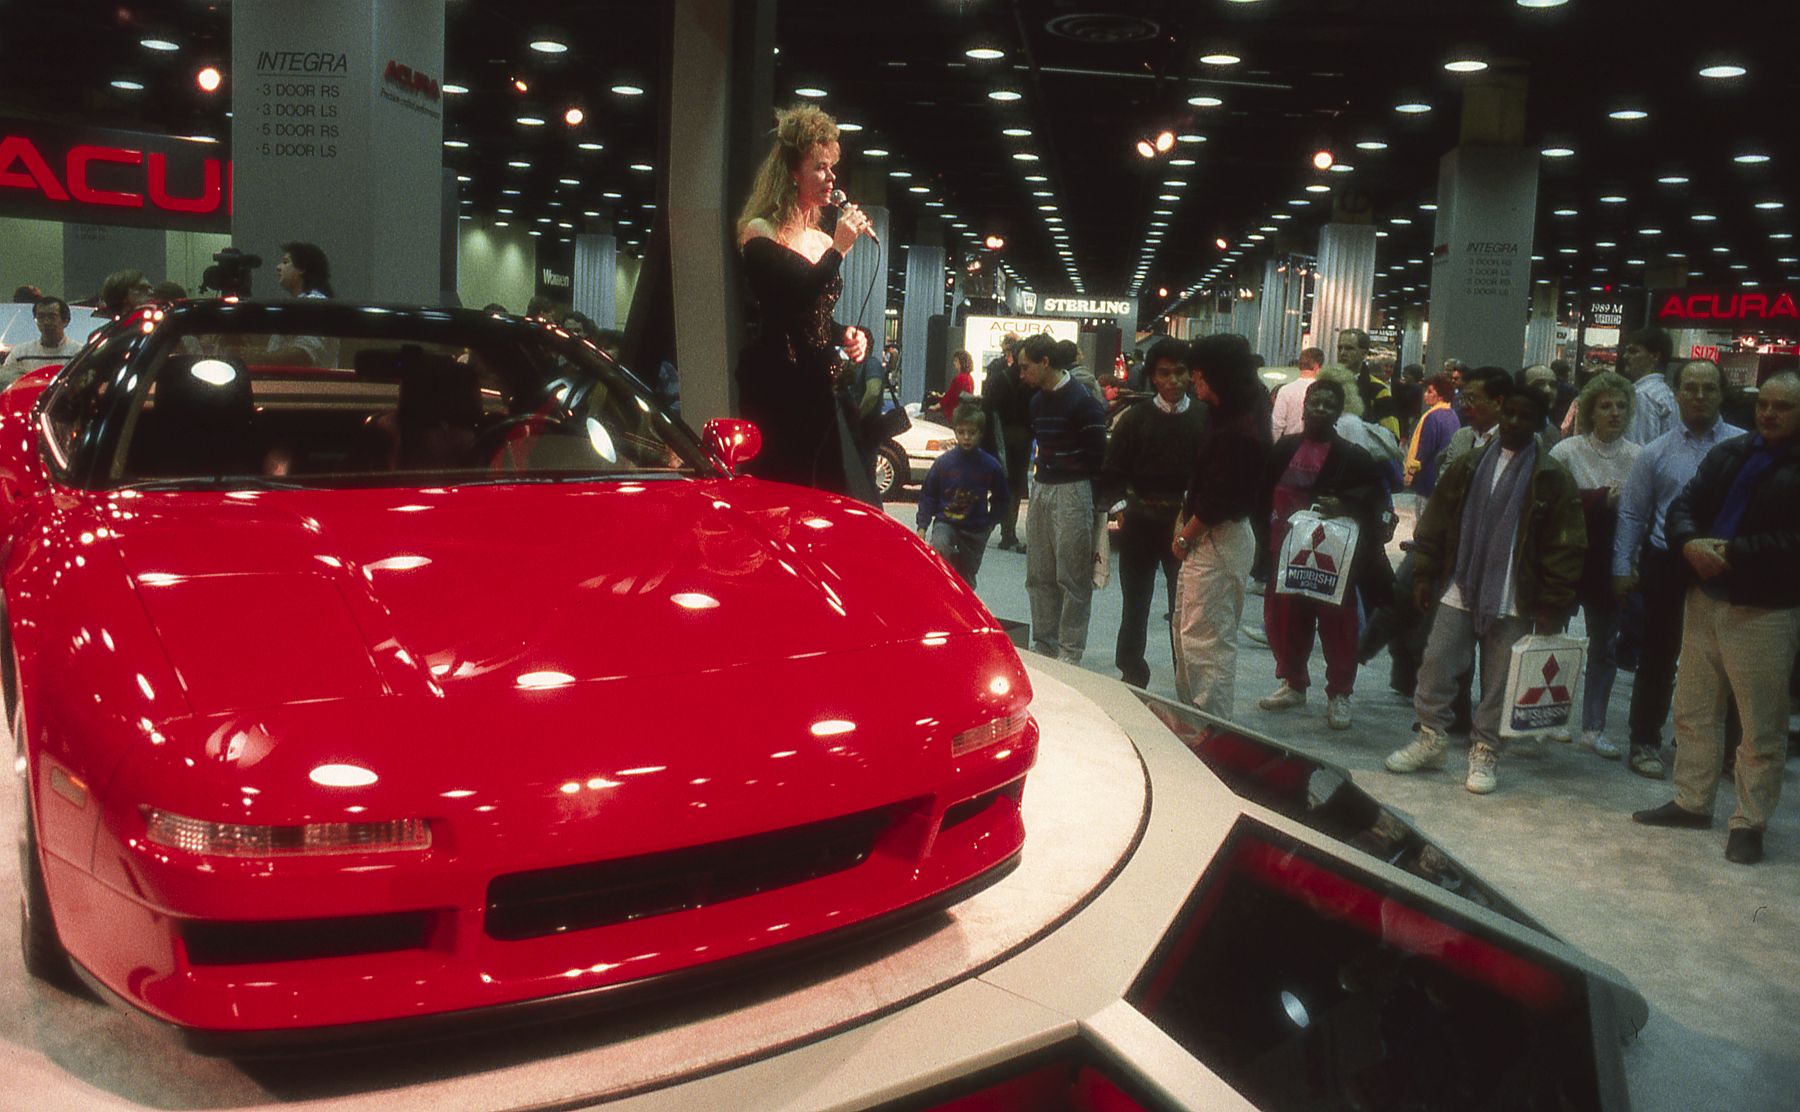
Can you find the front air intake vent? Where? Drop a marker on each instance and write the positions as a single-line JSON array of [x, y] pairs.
[[580, 897]]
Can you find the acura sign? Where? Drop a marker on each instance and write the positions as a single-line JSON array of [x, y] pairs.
[[89, 176], [1705, 308]]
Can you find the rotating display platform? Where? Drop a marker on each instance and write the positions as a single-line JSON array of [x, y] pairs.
[[1201, 918]]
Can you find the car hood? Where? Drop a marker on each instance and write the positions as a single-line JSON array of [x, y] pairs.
[[290, 596]]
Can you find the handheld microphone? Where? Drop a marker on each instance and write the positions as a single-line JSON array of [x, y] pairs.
[[838, 200]]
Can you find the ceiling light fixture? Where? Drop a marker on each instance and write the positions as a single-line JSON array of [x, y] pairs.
[[1628, 114], [1413, 107], [530, 121], [519, 86], [574, 117], [1672, 179], [128, 86], [549, 46], [1205, 102], [1558, 152], [208, 78], [453, 90], [1720, 72], [1751, 159], [628, 90], [1219, 59], [1542, 3], [1006, 95], [984, 54], [1371, 145], [1322, 160], [1466, 65], [161, 45]]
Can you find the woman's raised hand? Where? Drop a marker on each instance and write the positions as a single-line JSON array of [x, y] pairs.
[[851, 224]]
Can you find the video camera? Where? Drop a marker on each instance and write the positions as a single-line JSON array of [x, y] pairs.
[[230, 276]]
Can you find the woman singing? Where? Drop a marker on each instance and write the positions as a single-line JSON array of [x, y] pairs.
[[787, 374]]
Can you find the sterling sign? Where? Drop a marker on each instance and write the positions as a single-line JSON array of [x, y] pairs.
[[1087, 307]]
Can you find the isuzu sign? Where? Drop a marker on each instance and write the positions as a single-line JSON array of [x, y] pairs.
[[89, 176], [1700, 308], [1089, 307]]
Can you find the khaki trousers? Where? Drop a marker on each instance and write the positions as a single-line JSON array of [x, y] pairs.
[[1209, 603], [1742, 651]]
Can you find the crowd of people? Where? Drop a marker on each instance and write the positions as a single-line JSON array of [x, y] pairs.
[[1537, 499]]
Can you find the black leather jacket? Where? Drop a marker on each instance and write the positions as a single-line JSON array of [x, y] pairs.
[[1764, 557]]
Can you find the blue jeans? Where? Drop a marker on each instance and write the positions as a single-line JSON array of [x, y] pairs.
[[1602, 621]]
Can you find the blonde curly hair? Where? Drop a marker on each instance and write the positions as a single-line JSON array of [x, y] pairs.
[[772, 195], [1346, 378]]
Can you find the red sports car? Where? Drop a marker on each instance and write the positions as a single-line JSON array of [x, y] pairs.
[[374, 665]]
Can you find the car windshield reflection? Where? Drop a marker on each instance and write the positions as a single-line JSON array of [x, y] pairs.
[[258, 409]]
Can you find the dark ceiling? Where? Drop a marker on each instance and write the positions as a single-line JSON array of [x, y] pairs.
[[1091, 80]]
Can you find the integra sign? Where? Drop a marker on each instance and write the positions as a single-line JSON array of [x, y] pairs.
[[113, 177], [1701, 307]]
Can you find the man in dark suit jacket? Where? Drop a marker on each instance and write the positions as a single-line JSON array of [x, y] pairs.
[[1736, 526]]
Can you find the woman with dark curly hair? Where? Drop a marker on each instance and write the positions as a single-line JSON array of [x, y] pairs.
[[1213, 538], [787, 374]]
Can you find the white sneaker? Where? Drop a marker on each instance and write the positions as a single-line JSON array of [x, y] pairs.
[[1600, 744], [1282, 698], [1482, 760], [1337, 712], [1426, 751], [1562, 735]]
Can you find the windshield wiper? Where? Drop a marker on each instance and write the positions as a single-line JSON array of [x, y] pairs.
[[215, 483]]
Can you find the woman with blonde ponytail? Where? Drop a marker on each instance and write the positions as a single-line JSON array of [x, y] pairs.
[[787, 372]]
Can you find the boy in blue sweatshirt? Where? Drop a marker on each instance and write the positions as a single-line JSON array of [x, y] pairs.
[[963, 496]]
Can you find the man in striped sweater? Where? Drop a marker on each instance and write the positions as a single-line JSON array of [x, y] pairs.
[[1068, 425]]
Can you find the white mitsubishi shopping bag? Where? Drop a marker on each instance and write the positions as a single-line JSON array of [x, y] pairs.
[[1315, 557], [1543, 684]]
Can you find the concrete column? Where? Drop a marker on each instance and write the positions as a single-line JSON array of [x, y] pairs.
[[343, 103], [1481, 264], [1540, 333], [924, 300], [1346, 282], [1283, 303], [595, 290]]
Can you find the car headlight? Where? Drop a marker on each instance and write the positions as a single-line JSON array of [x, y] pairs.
[[989, 733], [230, 839]]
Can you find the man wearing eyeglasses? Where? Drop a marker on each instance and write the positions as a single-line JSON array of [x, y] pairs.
[[53, 345]]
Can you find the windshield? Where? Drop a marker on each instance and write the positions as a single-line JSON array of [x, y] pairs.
[[233, 409]]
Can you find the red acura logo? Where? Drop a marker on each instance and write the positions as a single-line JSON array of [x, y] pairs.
[[22, 166], [408, 78], [1728, 307]]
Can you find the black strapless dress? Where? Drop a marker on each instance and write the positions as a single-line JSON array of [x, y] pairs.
[[786, 375]]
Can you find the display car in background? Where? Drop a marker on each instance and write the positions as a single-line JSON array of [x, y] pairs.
[[906, 459], [373, 666]]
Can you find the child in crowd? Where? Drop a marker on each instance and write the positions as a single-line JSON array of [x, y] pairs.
[[963, 496]]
